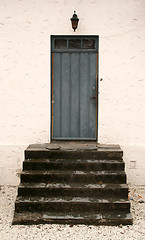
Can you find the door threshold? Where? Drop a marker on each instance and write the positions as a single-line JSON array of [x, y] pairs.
[[74, 142], [74, 139]]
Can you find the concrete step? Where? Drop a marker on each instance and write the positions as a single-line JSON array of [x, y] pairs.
[[44, 153], [73, 189], [74, 176], [116, 218], [73, 183], [71, 164], [71, 204]]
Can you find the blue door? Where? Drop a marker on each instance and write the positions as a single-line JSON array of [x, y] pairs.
[[74, 87]]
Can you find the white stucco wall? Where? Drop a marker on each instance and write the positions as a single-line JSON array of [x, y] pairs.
[[25, 29]]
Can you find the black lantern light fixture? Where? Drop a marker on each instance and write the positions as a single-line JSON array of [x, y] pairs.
[[74, 21]]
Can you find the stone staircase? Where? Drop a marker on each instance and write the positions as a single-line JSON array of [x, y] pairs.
[[65, 185]]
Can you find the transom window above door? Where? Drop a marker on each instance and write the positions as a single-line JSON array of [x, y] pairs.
[[77, 43]]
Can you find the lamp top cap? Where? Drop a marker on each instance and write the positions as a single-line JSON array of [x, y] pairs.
[[75, 16]]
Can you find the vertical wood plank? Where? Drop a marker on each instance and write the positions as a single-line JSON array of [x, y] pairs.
[[84, 98], [97, 93], [74, 106], [65, 118], [57, 95], [92, 109], [52, 100]]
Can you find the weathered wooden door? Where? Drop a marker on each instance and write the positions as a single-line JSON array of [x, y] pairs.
[[74, 87]]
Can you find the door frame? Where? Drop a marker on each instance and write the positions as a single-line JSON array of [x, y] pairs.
[[52, 79]]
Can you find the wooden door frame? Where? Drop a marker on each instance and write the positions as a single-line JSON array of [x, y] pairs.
[[52, 79]]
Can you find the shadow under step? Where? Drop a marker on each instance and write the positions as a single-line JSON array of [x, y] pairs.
[[29, 218]]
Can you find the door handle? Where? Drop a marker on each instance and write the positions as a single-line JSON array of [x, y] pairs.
[[92, 98]]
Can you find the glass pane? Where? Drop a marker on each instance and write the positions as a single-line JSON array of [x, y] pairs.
[[75, 43], [89, 43], [60, 44]]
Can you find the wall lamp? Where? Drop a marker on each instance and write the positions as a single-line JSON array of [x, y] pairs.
[[74, 21]]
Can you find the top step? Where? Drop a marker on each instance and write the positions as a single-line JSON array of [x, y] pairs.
[[73, 151]]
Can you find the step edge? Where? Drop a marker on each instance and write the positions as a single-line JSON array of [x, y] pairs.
[[33, 200], [70, 172], [76, 186]]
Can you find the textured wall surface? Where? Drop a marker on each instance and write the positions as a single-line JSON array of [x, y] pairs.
[[25, 73]]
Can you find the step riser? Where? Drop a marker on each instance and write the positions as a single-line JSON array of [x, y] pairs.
[[84, 178], [30, 154], [68, 207], [104, 222], [72, 166], [96, 192]]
